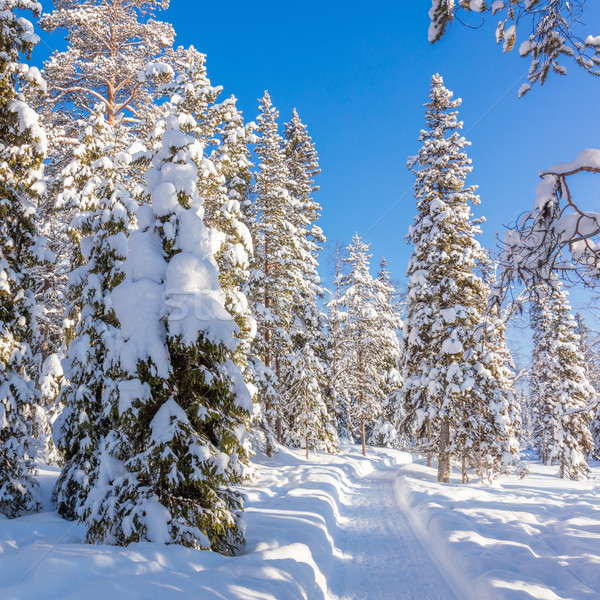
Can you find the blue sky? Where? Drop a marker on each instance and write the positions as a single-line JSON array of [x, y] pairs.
[[359, 74]]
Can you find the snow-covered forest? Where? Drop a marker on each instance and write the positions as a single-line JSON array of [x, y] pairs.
[[188, 411]]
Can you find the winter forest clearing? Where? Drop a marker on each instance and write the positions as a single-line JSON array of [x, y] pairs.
[[190, 408]]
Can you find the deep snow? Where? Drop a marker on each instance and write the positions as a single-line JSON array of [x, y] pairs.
[[338, 527], [518, 539]]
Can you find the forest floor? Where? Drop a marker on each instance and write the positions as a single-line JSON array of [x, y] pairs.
[[339, 527]]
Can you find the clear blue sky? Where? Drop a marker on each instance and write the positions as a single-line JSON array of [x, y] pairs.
[[359, 74]]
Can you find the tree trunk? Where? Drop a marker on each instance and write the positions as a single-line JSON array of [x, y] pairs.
[[464, 470], [362, 436], [278, 426], [443, 458], [429, 454], [306, 422], [544, 454]]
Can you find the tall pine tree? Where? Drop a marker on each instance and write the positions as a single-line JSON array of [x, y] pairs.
[[389, 324], [592, 372], [273, 279], [361, 371], [449, 395], [22, 151]]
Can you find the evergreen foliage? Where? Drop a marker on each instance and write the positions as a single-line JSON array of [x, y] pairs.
[[451, 399], [273, 276], [553, 35], [561, 390], [592, 371], [310, 425], [384, 433], [103, 211], [180, 405], [363, 369], [112, 67], [22, 151]]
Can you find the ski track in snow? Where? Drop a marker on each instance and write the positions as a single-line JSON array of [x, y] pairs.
[[383, 559]]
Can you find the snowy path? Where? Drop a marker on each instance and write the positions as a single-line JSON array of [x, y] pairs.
[[336, 528], [382, 557]]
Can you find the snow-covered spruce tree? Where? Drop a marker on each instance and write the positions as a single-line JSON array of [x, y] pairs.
[[303, 166], [103, 213], [181, 404], [109, 45], [307, 325], [310, 424], [591, 361], [441, 364], [361, 372], [540, 402], [22, 151], [273, 280], [490, 438], [384, 432], [561, 427], [572, 441], [225, 183], [231, 159], [338, 397]]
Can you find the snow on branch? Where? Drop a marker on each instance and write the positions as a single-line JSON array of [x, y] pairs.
[[592, 405], [552, 28], [558, 234]]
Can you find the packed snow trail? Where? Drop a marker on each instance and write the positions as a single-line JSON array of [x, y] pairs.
[[324, 529], [382, 557]]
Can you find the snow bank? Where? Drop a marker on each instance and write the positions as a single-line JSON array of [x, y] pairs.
[[535, 538]]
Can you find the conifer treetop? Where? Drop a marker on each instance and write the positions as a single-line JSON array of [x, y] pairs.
[[112, 54]]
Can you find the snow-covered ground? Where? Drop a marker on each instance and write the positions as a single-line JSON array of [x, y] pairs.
[[519, 539], [343, 526]]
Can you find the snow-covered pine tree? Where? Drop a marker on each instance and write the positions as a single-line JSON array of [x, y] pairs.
[[273, 279], [361, 371], [561, 426], [103, 68], [310, 425], [572, 441], [303, 166], [490, 444], [232, 198], [109, 46], [337, 394], [307, 323], [22, 151], [539, 400], [444, 378], [552, 36], [225, 183], [181, 404], [384, 433], [103, 213], [591, 362]]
